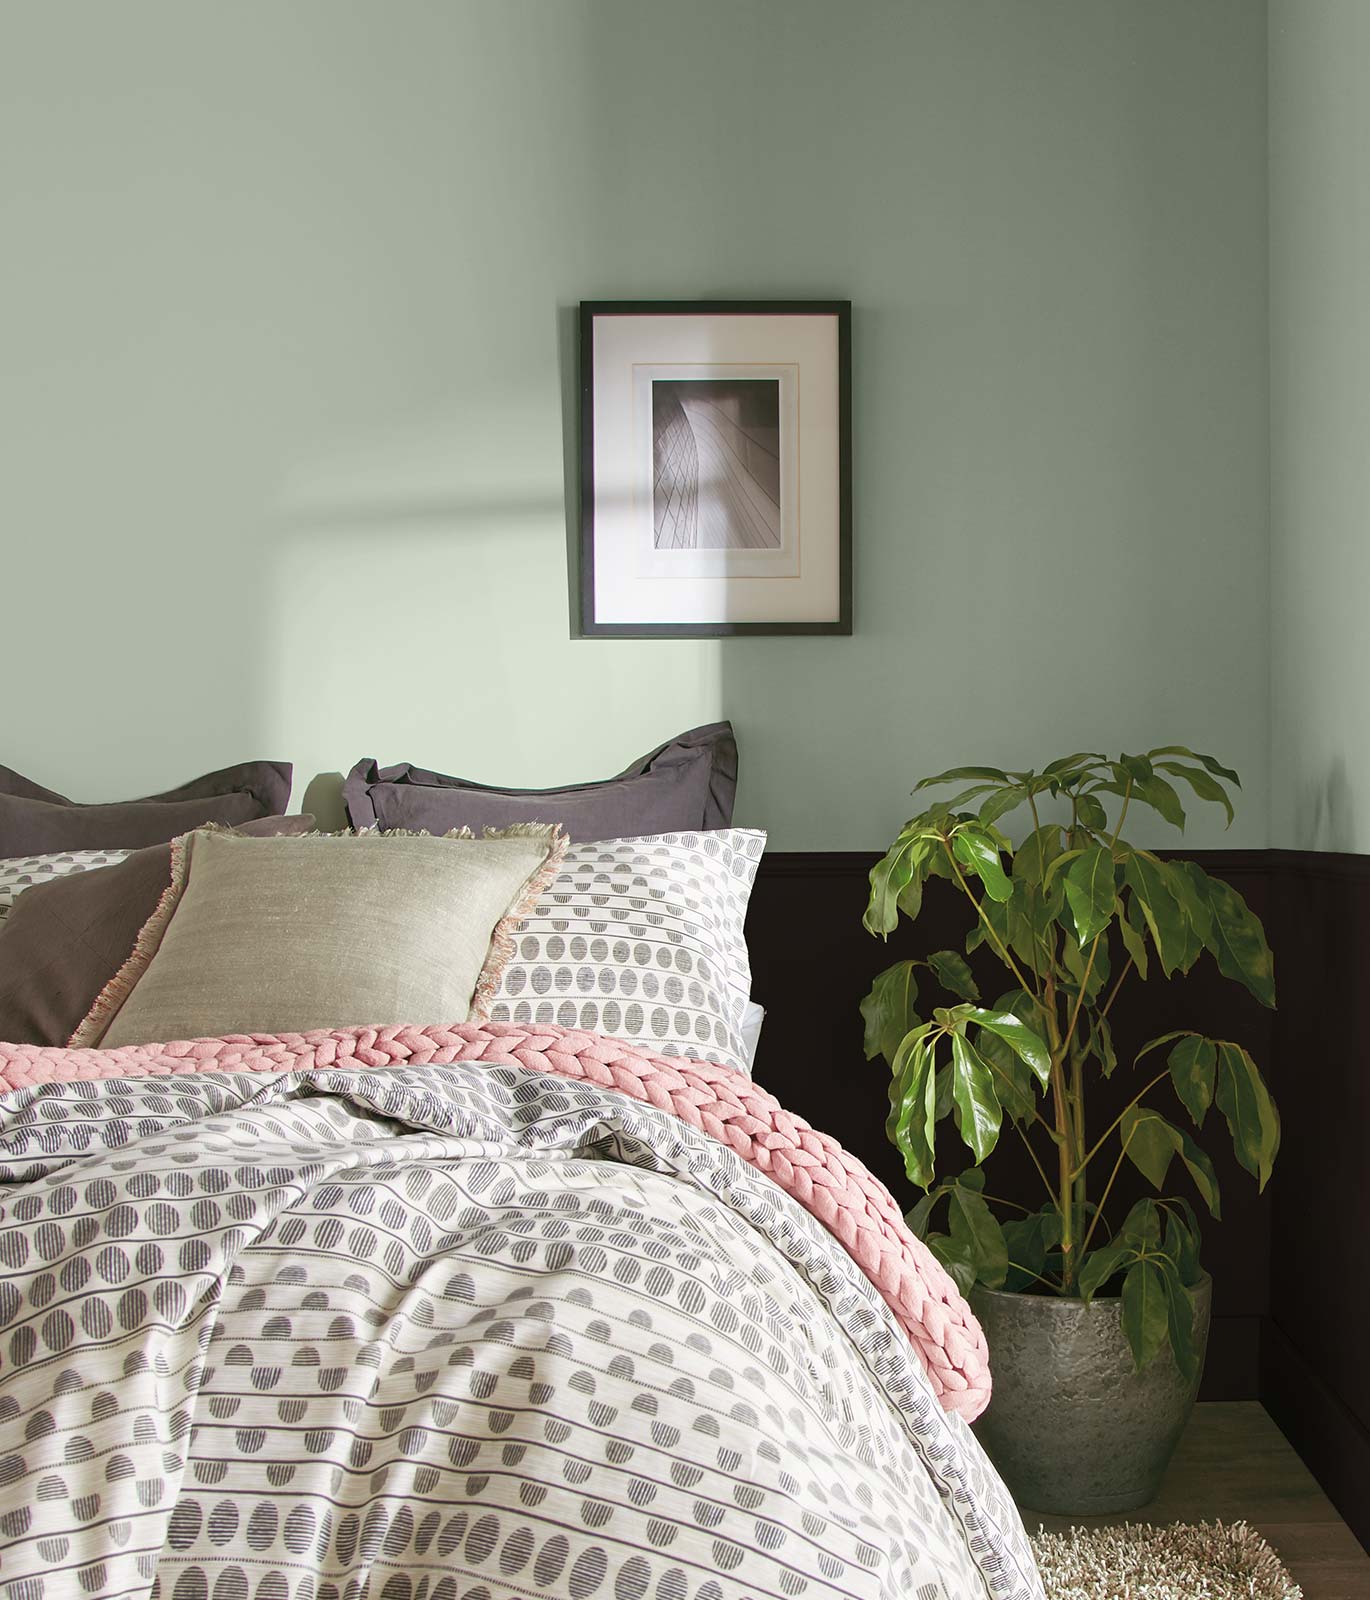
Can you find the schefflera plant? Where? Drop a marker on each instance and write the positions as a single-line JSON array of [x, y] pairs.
[[1071, 913]]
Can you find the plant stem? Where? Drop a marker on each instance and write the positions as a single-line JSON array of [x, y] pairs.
[[1103, 1199], [1004, 955], [1036, 1114], [1037, 1275], [1033, 895], [1041, 1170], [1065, 1152], [1113, 993], [1122, 816], [1080, 998], [1070, 1113], [1118, 1119], [1077, 1096]]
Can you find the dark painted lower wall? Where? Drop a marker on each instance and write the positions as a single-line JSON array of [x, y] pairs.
[[1291, 1268], [1315, 1368]]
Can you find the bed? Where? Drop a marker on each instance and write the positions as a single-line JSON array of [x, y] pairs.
[[497, 1309]]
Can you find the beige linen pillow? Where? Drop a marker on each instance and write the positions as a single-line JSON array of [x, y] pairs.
[[323, 931]]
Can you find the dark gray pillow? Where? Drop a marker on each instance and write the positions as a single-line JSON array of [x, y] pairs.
[[37, 821], [66, 939], [680, 787]]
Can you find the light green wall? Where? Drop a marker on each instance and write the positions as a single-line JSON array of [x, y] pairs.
[[286, 345], [1320, 422]]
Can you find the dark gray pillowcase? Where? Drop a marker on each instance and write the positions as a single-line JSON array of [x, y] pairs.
[[685, 786], [64, 940], [37, 821]]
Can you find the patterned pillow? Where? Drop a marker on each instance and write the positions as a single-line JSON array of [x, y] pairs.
[[642, 939], [18, 873]]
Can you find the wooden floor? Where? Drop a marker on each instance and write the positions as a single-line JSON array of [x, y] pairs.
[[1234, 1464]]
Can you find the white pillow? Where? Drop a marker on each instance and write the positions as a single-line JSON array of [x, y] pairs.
[[642, 939], [752, 1018], [18, 873]]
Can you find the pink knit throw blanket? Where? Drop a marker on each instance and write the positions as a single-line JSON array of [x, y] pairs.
[[854, 1206]]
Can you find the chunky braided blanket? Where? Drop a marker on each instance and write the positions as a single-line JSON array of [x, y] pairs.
[[853, 1205]]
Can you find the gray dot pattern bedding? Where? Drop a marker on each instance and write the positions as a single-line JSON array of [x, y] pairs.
[[451, 1333], [642, 939]]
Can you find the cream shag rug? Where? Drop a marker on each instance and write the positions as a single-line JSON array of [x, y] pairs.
[[1187, 1561]]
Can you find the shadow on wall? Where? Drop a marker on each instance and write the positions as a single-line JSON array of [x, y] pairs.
[[418, 604], [323, 799], [1011, 404], [1326, 818]]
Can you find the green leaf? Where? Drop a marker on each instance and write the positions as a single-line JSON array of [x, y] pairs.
[[972, 1086], [909, 900], [1101, 1045], [974, 848], [1102, 1264], [1081, 971], [1160, 796], [1238, 942], [962, 775], [939, 863], [1145, 1316], [912, 1122], [1016, 1003], [1134, 942], [943, 1096], [1202, 784], [1179, 1305], [1151, 1143], [998, 804], [1142, 1225], [1216, 768], [956, 1256], [1202, 1171], [916, 1219], [1138, 768], [1193, 1065], [902, 865], [1027, 1240], [1090, 892], [1147, 1141], [974, 1222], [973, 793], [1004, 925], [1090, 810], [1013, 1083], [1153, 890], [954, 1017], [1021, 1039], [1190, 883], [1032, 859], [1158, 1041], [1244, 1100], [952, 973], [1063, 858], [1182, 1240], [1068, 764], [1026, 1257], [888, 1011]]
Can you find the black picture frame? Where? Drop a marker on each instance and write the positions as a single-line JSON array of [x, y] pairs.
[[585, 625]]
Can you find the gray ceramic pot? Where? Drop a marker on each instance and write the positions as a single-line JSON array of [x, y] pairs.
[[1072, 1427]]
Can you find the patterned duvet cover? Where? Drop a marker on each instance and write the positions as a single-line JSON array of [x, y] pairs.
[[451, 1332]]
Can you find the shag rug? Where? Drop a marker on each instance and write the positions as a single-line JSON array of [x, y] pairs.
[[1187, 1561]]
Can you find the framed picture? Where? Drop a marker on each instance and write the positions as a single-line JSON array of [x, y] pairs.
[[715, 468]]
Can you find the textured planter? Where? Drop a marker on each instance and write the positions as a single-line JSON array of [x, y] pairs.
[[1073, 1428]]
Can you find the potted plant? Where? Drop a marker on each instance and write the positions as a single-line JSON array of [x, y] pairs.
[[1097, 1322]]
